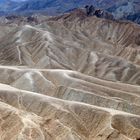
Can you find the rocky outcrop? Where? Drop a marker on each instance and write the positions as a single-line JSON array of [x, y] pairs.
[[92, 11]]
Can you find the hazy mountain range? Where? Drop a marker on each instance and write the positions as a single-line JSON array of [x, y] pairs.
[[122, 9]]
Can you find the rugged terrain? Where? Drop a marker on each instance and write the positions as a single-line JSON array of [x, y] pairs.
[[121, 9], [69, 77]]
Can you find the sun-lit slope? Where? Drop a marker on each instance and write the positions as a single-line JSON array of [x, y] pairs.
[[74, 86], [70, 77], [97, 47], [57, 119]]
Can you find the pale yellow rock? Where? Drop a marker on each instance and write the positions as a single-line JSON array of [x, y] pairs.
[[70, 77]]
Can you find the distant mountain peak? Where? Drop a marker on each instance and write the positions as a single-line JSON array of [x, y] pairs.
[[125, 9]]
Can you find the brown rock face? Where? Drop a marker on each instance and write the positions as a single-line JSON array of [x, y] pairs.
[[70, 77]]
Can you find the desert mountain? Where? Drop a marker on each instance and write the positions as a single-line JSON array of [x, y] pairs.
[[69, 77], [121, 9]]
